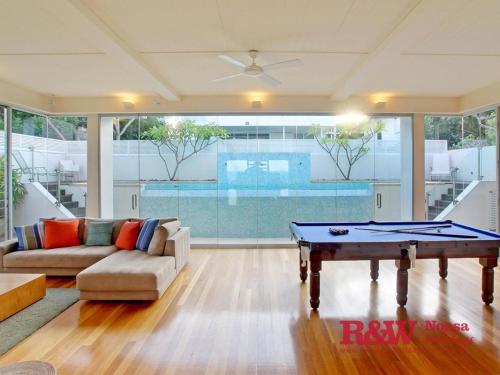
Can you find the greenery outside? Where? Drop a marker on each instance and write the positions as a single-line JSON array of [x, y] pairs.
[[182, 140], [346, 142], [476, 130], [18, 189]]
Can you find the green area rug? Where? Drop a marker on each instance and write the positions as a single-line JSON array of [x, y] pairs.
[[21, 325]]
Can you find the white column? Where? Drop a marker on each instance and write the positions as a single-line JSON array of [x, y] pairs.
[[498, 168], [418, 171], [93, 209], [99, 166], [406, 186], [8, 200], [106, 166]]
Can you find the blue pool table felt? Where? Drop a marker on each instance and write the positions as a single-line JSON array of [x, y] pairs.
[[319, 232]]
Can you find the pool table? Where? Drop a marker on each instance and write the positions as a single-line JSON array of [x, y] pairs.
[[402, 241]]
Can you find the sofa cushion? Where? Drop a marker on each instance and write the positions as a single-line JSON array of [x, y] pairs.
[[127, 271], [99, 233], [61, 233], [157, 244], [117, 225], [128, 235], [172, 227], [30, 237], [81, 224], [65, 257], [146, 234]]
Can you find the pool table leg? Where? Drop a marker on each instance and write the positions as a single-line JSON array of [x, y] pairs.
[[303, 269], [402, 281], [374, 269], [314, 283], [443, 267], [488, 278]]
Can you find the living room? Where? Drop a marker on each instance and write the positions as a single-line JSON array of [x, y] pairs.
[[236, 187]]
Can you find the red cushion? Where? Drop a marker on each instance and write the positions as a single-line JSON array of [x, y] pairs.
[[127, 237], [61, 233]]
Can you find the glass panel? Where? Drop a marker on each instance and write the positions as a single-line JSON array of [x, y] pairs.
[[244, 180], [388, 151], [126, 185], [460, 167], [278, 175], [159, 172], [198, 189], [3, 203], [67, 145], [178, 171], [238, 180], [35, 188], [444, 137]]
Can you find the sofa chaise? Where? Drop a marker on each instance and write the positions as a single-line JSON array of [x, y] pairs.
[[104, 272]]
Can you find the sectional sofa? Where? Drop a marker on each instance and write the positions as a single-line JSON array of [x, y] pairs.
[[104, 272]]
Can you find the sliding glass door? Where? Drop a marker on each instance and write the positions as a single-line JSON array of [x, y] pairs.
[[4, 207], [126, 187], [241, 179], [460, 169]]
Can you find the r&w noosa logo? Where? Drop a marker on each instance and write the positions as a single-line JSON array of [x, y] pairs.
[[377, 332]]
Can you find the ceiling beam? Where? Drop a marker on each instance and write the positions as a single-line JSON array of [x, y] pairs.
[[383, 50], [76, 15], [418, 19]]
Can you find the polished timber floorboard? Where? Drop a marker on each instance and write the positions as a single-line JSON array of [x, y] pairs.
[[246, 312]]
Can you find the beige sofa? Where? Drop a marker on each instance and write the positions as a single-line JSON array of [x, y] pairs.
[[103, 272]]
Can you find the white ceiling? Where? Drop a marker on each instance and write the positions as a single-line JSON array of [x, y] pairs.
[[348, 47]]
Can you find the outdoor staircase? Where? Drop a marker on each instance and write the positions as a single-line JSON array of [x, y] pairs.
[[446, 199], [66, 200]]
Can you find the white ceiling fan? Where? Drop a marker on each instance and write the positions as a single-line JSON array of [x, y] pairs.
[[257, 71]]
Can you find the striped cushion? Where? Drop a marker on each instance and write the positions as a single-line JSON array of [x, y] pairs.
[[99, 233], [30, 237], [146, 234]]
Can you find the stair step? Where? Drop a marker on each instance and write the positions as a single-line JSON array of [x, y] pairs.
[[67, 198], [445, 202], [78, 212], [69, 205], [54, 192]]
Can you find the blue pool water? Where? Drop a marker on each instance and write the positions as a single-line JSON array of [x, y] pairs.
[[256, 195], [215, 210]]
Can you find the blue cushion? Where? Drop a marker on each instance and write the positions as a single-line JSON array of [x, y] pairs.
[[30, 237], [146, 234], [99, 233]]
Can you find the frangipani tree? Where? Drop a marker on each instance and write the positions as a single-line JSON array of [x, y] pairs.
[[184, 140], [346, 142]]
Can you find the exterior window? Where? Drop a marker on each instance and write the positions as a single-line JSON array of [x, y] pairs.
[[248, 176]]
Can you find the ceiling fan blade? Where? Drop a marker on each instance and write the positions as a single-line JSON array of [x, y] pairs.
[[269, 80], [283, 64], [223, 78], [232, 60]]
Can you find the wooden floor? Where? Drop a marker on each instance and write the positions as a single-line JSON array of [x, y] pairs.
[[246, 312]]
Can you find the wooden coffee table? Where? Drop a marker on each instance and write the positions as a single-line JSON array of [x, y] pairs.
[[18, 291]]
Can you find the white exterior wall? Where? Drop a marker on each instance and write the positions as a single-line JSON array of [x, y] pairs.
[[476, 207], [381, 163], [37, 202]]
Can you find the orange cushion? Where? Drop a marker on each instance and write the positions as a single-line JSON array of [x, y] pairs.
[[128, 235], [61, 233]]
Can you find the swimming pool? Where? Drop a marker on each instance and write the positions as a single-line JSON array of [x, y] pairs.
[[228, 210]]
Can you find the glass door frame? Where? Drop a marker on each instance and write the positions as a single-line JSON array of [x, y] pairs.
[[6, 113]]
